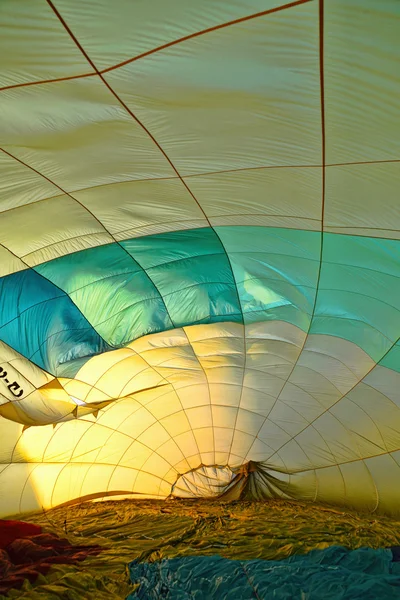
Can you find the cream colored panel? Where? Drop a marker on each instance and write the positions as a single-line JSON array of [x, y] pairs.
[[315, 384], [160, 228], [39, 490], [78, 135], [186, 443], [76, 244], [273, 435], [359, 485], [157, 464], [166, 339], [385, 471], [361, 421], [93, 482], [351, 356], [330, 368], [19, 185], [287, 418], [201, 416], [136, 205], [225, 394], [97, 366], [363, 196], [199, 333], [191, 397], [28, 229], [150, 484], [294, 396], [223, 444], [166, 404], [236, 111], [177, 425], [288, 192], [256, 401], [204, 437], [389, 234], [341, 442], [35, 46], [263, 221], [247, 422], [263, 381], [224, 416], [305, 485], [14, 479], [362, 86], [330, 485], [34, 438], [384, 413], [138, 422], [122, 479], [9, 263], [133, 28], [274, 355], [295, 459], [171, 450], [258, 450], [135, 456], [385, 381], [242, 442]]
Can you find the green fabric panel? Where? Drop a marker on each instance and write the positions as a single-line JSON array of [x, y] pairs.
[[276, 272], [392, 358], [123, 307], [192, 273], [112, 291], [158, 282], [153, 250], [288, 313], [80, 269], [358, 292]]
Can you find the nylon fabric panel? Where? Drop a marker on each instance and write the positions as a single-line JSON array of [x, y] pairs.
[[111, 38], [238, 111]]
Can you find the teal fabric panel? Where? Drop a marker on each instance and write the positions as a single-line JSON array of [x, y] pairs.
[[78, 270], [154, 250], [41, 322], [192, 272], [335, 573], [276, 272], [392, 358], [112, 291], [359, 291], [119, 292]]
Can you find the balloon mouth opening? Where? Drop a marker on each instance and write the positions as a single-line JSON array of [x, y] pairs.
[[250, 481]]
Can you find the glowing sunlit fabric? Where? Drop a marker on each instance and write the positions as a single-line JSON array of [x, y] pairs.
[[199, 251]]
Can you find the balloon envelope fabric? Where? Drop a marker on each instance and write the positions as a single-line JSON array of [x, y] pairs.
[[199, 251], [334, 574]]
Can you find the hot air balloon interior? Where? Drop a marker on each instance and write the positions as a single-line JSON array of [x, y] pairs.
[[200, 299]]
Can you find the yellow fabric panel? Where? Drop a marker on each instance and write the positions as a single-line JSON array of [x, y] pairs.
[[323, 417]]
